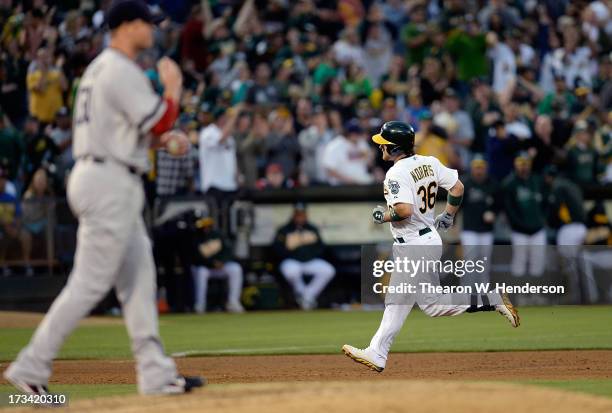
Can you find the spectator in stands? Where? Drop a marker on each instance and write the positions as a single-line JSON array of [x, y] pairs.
[[61, 135], [541, 147], [462, 134], [378, 45], [40, 148], [572, 61], [516, 124], [174, 175], [504, 63], [582, 163], [467, 47], [214, 259], [250, 135], [480, 207], [432, 140], [10, 227], [484, 112], [12, 148], [501, 150], [282, 146], [347, 49], [263, 91], [37, 208], [432, 81], [13, 90], [218, 167], [299, 246], [415, 109], [46, 84], [524, 207], [313, 141], [275, 178], [415, 37], [346, 158]]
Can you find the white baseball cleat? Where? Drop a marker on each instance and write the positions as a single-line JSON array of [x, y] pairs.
[[508, 310], [236, 308], [362, 357]]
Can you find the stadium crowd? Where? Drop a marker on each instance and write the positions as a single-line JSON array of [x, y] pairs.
[[284, 94]]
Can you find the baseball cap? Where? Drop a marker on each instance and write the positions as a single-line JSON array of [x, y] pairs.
[[299, 206], [478, 160], [122, 11], [522, 157], [353, 126], [581, 126]]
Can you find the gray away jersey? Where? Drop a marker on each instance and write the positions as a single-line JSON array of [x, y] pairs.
[[415, 180], [115, 108]]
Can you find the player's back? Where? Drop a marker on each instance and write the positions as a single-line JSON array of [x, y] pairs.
[[416, 180], [115, 106]]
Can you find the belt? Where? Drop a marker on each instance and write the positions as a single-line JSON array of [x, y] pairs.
[[422, 232], [100, 160]]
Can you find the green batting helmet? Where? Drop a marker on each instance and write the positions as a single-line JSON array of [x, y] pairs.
[[399, 135]]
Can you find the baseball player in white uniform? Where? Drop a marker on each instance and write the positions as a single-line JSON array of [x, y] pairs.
[[117, 117], [410, 188]]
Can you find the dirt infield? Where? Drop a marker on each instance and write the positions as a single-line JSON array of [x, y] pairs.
[[356, 397], [516, 365], [17, 319]]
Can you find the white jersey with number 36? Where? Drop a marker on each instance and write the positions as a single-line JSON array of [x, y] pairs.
[[415, 180]]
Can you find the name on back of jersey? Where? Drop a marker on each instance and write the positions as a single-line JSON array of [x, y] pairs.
[[421, 172]]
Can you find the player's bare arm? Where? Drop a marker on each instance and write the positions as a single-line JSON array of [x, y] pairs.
[[455, 196]]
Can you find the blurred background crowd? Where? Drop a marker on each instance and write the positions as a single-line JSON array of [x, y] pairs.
[[286, 94], [298, 87]]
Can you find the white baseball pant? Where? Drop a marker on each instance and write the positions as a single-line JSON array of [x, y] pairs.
[[528, 249], [434, 305], [113, 250], [477, 246], [230, 270], [321, 271]]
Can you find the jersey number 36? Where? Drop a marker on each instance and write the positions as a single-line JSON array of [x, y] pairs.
[[428, 196]]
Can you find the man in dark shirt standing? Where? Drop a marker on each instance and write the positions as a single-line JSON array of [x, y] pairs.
[[300, 247], [523, 203], [479, 211]]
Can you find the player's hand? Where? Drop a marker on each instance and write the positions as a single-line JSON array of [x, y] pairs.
[[378, 215], [170, 77], [176, 142], [444, 221]]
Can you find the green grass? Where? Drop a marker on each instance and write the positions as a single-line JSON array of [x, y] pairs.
[[542, 328]]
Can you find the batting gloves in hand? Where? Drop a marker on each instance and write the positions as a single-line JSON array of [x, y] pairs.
[[444, 221], [378, 215]]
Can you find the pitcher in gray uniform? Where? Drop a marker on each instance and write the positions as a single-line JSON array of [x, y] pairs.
[[117, 118]]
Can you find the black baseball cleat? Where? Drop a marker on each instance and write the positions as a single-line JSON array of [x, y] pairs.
[[193, 382]]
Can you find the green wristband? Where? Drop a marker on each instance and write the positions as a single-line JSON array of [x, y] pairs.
[[454, 200], [394, 215]]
